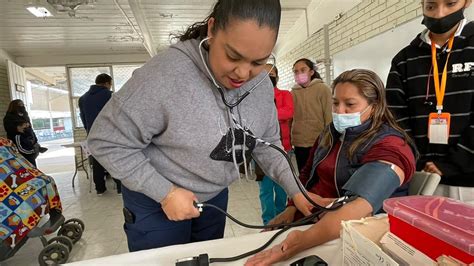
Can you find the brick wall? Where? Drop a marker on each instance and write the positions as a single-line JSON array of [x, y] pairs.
[[364, 21]]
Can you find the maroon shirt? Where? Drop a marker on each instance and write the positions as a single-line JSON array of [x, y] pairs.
[[392, 149]]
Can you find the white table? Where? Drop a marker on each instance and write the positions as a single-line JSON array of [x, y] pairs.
[[331, 252], [79, 163]]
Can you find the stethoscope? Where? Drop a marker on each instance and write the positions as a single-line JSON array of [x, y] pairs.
[[248, 133], [203, 259], [231, 105]]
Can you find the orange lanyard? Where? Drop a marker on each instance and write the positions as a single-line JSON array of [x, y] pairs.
[[440, 89]]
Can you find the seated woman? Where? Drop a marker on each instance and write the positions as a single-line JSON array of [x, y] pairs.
[[363, 153]]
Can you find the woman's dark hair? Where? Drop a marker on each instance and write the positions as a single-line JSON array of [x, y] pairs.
[[311, 66], [14, 106], [372, 89], [264, 12]]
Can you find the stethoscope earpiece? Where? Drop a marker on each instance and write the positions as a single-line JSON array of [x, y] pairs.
[[221, 91]]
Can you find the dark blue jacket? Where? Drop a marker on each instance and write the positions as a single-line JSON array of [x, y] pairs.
[[91, 103]]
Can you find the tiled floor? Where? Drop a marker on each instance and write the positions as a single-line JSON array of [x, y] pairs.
[[103, 218]]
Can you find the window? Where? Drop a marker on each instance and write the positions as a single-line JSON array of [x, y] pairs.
[[122, 73], [81, 80], [58, 122], [39, 124], [83, 77]]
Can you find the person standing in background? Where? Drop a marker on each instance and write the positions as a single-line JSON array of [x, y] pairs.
[[312, 100], [18, 116], [178, 130], [272, 196], [90, 105], [435, 74]]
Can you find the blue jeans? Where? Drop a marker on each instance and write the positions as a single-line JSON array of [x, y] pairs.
[[272, 199], [151, 228]]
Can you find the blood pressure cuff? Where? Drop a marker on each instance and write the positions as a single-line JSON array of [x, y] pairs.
[[375, 182]]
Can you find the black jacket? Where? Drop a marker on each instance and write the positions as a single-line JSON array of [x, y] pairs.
[[12, 120], [91, 103], [407, 85], [26, 144]]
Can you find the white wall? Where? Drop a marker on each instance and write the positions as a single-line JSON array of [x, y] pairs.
[[376, 53], [4, 88], [320, 12], [17, 83], [363, 22]]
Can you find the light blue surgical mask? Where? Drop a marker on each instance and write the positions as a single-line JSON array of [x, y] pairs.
[[344, 121]]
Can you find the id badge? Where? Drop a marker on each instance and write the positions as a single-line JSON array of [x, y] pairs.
[[438, 128]]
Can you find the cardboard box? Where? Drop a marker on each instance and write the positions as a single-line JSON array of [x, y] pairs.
[[402, 252], [360, 242]]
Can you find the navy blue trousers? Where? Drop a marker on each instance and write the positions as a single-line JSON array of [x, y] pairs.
[[150, 228]]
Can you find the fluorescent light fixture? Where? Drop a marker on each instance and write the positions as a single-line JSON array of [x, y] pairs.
[[39, 11]]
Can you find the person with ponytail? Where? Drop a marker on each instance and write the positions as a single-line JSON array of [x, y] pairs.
[[363, 154], [177, 131]]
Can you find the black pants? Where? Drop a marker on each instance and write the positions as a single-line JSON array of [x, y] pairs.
[[99, 174], [301, 154], [31, 158], [148, 227]]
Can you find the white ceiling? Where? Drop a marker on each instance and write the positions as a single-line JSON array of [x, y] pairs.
[[104, 30]]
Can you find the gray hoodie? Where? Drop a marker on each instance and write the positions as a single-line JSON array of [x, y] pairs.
[[168, 125]]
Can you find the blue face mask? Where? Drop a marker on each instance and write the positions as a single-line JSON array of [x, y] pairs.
[[344, 121]]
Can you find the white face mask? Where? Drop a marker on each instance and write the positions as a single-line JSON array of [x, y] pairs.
[[343, 121]]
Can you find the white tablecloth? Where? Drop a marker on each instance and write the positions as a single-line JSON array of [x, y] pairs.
[[331, 252]]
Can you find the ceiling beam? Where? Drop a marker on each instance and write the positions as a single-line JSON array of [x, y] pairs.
[[41, 76], [142, 24], [61, 60]]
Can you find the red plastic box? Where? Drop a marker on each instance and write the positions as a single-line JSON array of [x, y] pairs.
[[434, 225]]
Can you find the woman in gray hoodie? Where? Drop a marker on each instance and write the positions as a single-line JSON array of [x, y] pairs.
[[178, 128]]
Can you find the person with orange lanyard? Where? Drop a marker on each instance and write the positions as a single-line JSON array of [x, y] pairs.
[[430, 90]]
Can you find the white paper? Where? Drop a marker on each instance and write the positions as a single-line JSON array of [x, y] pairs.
[[438, 134]]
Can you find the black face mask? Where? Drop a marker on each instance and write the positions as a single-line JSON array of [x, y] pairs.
[[21, 109], [274, 80], [444, 24]]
